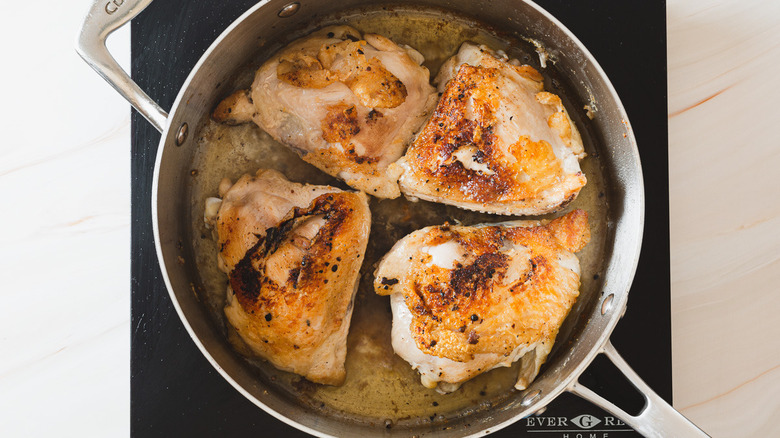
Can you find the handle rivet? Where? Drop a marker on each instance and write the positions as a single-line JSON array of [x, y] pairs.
[[182, 134], [606, 305], [531, 397], [289, 10]]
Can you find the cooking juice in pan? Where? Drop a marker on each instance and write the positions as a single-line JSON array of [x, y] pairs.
[[381, 388]]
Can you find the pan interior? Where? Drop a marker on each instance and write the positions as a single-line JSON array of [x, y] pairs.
[[381, 388]]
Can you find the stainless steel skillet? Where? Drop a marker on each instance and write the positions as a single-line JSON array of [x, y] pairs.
[[273, 23]]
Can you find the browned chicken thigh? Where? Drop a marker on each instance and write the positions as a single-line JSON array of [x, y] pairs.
[[292, 253], [466, 300], [496, 142], [347, 103]]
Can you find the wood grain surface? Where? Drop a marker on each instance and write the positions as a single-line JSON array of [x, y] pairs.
[[723, 61]]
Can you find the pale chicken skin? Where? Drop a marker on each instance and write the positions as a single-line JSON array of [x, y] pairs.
[[466, 300], [496, 142], [293, 254], [347, 103]]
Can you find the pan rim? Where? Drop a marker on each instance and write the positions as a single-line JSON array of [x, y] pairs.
[[636, 216]]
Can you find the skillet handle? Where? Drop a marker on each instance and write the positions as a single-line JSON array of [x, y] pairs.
[[657, 418], [103, 18]]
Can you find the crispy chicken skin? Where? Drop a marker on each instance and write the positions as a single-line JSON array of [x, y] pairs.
[[496, 142], [347, 103], [293, 254], [466, 300]]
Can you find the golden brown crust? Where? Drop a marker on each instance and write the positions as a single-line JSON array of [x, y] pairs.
[[236, 236], [291, 319], [529, 72], [331, 242], [449, 130], [303, 69], [559, 120], [496, 142], [340, 124], [251, 206], [490, 304], [343, 62], [571, 231], [376, 87]]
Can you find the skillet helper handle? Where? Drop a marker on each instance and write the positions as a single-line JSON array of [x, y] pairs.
[[657, 418], [104, 17]]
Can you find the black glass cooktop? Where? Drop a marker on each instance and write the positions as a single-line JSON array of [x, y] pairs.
[[176, 392]]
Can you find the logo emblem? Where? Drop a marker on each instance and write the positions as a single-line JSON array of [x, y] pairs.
[[585, 421]]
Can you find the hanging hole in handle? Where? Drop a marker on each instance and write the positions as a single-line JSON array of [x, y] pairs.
[[289, 10], [531, 397]]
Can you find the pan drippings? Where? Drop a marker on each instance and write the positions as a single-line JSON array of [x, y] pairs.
[[381, 388]]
